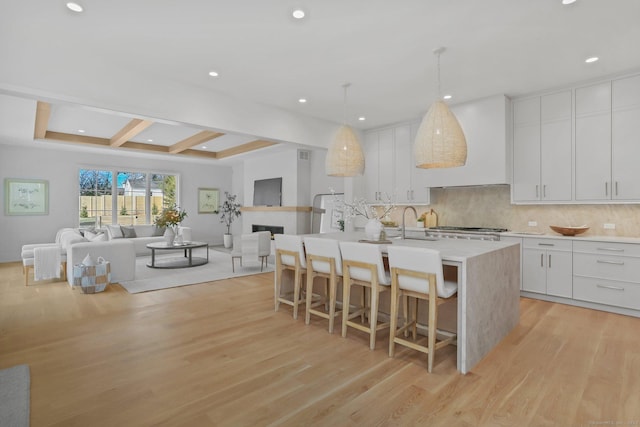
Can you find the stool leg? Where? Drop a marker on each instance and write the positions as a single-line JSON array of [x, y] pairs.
[[278, 285], [433, 318], [373, 315], [307, 318], [346, 291], [26, 269], [395, 302], [414, 315], [333, 285], [296, 293]]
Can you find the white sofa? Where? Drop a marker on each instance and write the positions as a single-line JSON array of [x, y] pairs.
[[120, 253], [109, 243], [144, 234]]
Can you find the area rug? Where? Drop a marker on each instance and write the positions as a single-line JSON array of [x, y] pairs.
[[218, 268], [15, 383]]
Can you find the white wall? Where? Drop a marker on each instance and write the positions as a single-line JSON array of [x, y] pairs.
[[60, 168]]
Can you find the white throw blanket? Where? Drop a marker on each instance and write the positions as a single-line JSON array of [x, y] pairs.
[[46, 262]]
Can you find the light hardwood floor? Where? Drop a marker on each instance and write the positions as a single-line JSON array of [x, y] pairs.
[[216, 354]]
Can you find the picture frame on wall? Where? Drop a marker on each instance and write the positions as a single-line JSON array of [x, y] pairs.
[[208, 199], [26, 196]]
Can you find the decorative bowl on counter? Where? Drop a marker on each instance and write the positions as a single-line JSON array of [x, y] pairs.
[[569, 231]]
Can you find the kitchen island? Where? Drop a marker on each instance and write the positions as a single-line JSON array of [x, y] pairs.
[[488, 275]]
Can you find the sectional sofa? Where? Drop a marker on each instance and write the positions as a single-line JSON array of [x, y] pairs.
[[117, 244]]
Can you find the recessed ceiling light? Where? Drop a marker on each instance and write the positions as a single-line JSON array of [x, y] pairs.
[[298, 13], [362, 118], [149, 140], [204, 147], [447, 97], [302, 100], [568, 1], [591, 59], [81, 130], [74, 7], [213, 73]]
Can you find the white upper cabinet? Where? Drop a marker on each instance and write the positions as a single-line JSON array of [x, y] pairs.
[[593, 142], [484, 123], [542, 148], [410, 185], [379, 162], [526, 150], [625, 138], [608, 141], [390, 171]]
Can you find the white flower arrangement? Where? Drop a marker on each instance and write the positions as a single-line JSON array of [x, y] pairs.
[[360, 207]]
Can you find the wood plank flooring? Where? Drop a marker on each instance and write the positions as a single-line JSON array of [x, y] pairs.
[[217, 354]]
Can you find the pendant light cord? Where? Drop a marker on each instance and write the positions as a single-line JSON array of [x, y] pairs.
[[344, 106]]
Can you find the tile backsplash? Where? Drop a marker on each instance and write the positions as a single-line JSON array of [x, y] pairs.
[[490, 206]]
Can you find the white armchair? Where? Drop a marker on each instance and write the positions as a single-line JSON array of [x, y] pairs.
[[251, 247]]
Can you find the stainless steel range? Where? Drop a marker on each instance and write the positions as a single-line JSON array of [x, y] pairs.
[[468, 233]]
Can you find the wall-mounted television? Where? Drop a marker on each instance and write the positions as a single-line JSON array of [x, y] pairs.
[[267, 192]]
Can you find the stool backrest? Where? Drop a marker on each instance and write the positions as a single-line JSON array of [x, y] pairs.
[[367, 253], [293, 243], [422, 260], [326, 248]]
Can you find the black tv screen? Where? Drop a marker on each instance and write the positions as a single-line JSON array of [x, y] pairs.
[[267, 192]]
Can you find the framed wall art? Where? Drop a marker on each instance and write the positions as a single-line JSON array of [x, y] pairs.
[[208, 200], [26, 196]]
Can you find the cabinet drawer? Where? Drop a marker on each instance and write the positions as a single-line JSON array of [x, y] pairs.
[[607, 248], [547, 244], [607, 266], [608, 292]]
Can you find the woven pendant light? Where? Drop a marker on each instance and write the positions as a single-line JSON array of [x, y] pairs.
[[440, 141], [345, 157]]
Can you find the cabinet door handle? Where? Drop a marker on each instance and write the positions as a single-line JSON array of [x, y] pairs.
[[412, 195], [541, 260], [408, 195], [549, 266], [616, 188], [546, 244], [544, 191], [537, 193], [610, 249], [606, 188], [615, 288], [602, 261]]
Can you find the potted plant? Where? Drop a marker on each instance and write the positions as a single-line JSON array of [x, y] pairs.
[[170, 218], [229, 211]]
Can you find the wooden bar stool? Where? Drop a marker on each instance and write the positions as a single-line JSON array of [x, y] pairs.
[[290, 256], [362, 265], [417, 273], [323, 260]]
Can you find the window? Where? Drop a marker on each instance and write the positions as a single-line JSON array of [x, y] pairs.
[[110, 197], [95, 196]]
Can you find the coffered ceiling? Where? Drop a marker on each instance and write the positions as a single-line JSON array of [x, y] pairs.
[[117, 52]]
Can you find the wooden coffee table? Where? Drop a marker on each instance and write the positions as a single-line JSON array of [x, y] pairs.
[[177, 262]]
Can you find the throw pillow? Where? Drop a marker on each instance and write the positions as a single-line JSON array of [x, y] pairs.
[[158, 231], [95, 236], [115, 232], [128, 231]]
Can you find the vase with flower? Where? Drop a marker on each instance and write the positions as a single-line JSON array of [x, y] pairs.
[[373, 228], [170, 218]]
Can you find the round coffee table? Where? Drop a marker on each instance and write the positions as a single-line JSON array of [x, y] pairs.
[[177, 262]]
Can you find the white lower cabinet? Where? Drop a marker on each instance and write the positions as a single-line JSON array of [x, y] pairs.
[[607, 273], [547, 267]]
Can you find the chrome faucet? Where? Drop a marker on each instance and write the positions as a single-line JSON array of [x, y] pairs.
[[404, 212]]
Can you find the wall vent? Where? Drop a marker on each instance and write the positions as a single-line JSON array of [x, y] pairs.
[[303, 155]]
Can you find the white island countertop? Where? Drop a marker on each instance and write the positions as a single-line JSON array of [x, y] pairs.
[[488, 275]]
